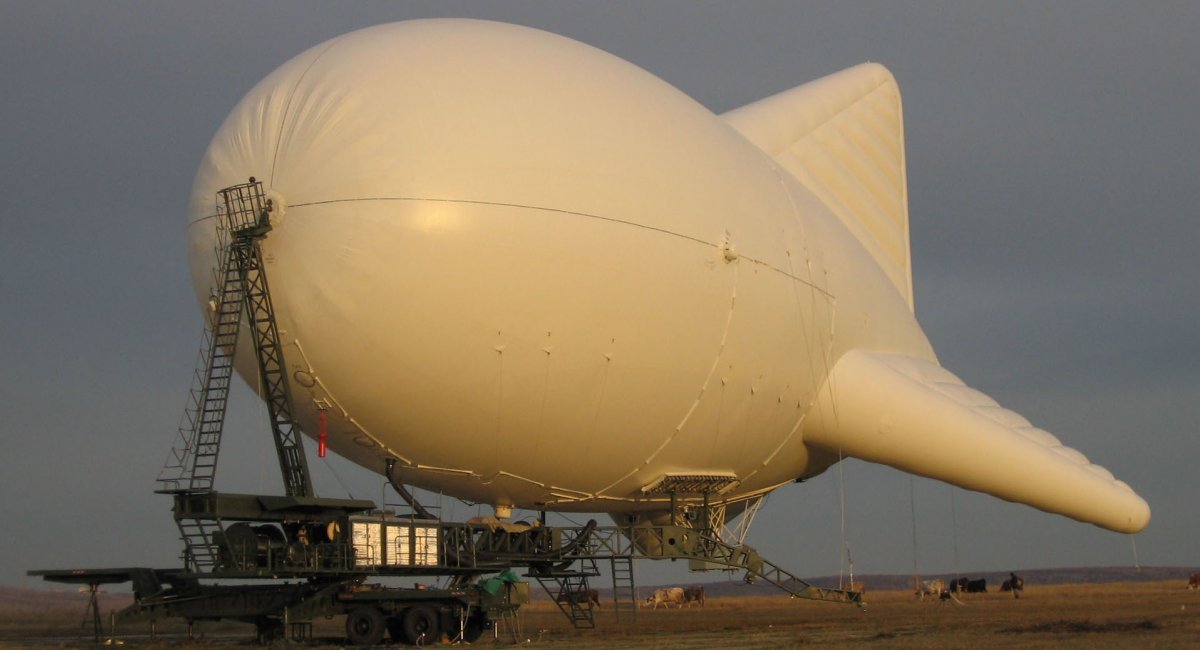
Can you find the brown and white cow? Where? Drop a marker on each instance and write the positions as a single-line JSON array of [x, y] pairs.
[[931, 588], [1194, 581], [665, 597]]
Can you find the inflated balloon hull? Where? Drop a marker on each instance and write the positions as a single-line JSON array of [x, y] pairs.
[[538, 276]]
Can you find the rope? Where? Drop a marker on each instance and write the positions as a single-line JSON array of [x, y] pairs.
[[954, 532], [842, 514], [912, 501], [1133, 542], [266, 452], [336, 476]]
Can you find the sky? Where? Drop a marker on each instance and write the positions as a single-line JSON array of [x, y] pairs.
[[1052, 170]]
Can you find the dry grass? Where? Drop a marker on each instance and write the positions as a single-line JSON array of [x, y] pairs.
[[1116, 615], [1158, 614]]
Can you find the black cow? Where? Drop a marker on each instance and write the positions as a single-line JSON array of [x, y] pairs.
[[967, 585]]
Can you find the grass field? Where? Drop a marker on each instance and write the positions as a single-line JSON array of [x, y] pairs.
[[1114, 615]]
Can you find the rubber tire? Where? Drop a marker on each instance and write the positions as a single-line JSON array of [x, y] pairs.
[[365, 626], [421, 621]]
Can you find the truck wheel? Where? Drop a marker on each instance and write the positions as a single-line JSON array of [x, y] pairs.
[[364, 626], [421, 625]]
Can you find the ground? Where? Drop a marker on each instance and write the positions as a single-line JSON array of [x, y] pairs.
[[1116, 615]]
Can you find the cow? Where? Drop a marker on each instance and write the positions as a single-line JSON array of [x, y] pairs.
[[693, 595], [931, 588], [1015, 584], [665, 597], [1194, 581], [588, 599], [966, 585]]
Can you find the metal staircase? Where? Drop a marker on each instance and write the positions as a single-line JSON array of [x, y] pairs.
[[622, 544], [571, 592], [710, 548], [200, 538]]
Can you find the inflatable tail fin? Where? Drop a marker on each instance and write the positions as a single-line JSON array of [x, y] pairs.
[[842, 136], [914, 415]]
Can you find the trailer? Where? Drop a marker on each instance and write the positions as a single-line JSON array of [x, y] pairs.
[[281, 586], [414, 616]]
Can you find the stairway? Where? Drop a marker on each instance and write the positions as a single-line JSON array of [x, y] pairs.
[[201, 554], [572, 593]]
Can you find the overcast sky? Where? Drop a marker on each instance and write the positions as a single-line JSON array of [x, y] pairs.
[[1053, 182]]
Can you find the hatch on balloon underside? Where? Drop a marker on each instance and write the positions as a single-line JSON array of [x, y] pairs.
[[691, 484]]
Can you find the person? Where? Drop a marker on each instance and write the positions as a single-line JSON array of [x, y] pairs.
[[1016, 583]]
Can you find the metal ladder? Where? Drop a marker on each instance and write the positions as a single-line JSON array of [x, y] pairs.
[[204, 414], [624, 589], [210, 414]]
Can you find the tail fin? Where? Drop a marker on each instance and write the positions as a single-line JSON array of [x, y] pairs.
[[842, 136], [916, 416]]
